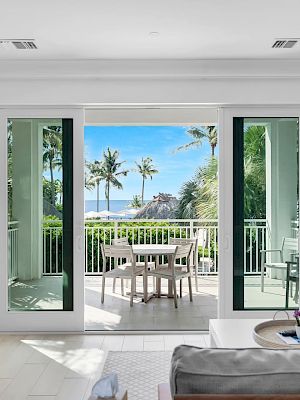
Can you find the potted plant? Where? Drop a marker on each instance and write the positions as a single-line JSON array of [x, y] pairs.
[[297, 327]]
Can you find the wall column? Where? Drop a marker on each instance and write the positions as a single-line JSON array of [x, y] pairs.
[[281, 181], [27, 195]]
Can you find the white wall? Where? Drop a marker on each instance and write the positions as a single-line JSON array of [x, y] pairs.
[[149, 82], [187, 83]]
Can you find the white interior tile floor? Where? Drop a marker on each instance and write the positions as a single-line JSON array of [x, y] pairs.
[[65, 367]]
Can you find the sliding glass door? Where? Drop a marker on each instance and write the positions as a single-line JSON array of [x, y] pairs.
[[265, 213], [41, 220], [40, 214]]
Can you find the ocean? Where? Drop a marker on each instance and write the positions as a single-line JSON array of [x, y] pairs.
[[114, 205]]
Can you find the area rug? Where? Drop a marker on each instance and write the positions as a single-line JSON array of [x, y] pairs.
[[139, 371]]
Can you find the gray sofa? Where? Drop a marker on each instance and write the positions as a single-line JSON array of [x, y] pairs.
[[234, 371]]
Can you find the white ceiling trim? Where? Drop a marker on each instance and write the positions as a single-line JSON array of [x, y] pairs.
[[149, 69], [151, 116]]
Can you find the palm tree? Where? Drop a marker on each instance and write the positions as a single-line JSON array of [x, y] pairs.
[[146, 169], [201, 192], [198, 197], [188, 195], [136, 202], [207, 201], [111, 172], [59, 190], [94, 177], [199, 134], [52, 156], [254, 172]]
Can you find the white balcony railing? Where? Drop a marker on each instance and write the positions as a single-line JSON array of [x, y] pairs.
[[152, 232], [142, 232], [13, 245]]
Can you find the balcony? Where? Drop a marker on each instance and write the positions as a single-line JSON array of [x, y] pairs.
[[158, 313]]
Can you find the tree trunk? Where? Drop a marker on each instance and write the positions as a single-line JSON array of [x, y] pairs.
[[107, 196], [143, 188], [97, 196], [52, 183], [213, 150]]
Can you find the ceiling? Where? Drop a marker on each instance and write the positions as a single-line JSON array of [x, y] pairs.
[[120, 29]]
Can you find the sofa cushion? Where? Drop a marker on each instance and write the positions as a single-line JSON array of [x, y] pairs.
[[245, 371]]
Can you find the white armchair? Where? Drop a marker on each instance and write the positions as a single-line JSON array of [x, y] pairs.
[[290, 244]]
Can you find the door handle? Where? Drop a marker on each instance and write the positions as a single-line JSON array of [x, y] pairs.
[[79, 242]]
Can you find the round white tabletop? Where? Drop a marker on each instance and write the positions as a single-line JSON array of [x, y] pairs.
[[153, 249]]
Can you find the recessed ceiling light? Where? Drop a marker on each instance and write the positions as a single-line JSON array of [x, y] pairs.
[[154, 34]]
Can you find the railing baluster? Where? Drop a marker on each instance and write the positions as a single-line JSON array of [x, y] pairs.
[[50, 247], [98, 250], [263, 243], [208, 249], [93, 249], [56, 250], [215, 248], [256, 250], [86, 249], [251, 252]]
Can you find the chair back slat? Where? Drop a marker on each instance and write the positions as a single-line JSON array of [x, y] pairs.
[[120, 241], [117, 251], [183, 251], [193, 242], [179, 241], [290, 244]]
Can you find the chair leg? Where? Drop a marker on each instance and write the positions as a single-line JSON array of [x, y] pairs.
[[196, 278], [180, 288], [262, 279], [122, 286], [114, 285], [287, 290], [131, 291], [154, 283], [158, 284], [296, 297], [134, 286], [175, 293], [145, 287], [190, 288], [103, 289], [283, 278]]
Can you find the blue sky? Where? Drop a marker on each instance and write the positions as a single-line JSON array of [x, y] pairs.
[[135, 142]]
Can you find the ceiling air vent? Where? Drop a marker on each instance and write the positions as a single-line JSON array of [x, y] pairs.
[[24, 45], [285, 43], [19, 44]]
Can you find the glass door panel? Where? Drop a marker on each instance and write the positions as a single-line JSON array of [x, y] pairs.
[[265, 213], [40, 214]]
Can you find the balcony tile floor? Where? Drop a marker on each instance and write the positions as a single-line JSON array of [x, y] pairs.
[[157, 314]]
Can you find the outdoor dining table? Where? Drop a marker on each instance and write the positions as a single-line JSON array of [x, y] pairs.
[[155, 250]]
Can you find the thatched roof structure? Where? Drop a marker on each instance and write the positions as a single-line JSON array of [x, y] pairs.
[[49, 209], [162, 206]]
